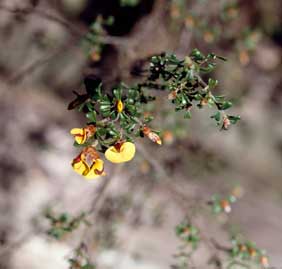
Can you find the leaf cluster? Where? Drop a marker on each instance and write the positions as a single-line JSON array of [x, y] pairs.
[[180, 79], [64, 223], [188, 233], [80, 259]]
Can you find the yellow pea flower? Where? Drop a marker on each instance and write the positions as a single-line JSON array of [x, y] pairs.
[[82, 134], [120, 152], [96, 170], [120, 106], [79, 165], [79, 135], [88, 164]]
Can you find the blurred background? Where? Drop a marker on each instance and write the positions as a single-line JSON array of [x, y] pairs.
[[44, 57]]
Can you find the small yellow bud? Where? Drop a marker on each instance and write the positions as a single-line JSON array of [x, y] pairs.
[[119, 106]]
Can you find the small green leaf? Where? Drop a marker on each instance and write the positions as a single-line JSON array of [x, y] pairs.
[[187, 115], [226, 105], [91, 116], [234, 119], [216, 116], [212, 83]]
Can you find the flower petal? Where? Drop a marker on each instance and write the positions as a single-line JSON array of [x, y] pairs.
[[80, 167], [96, 170], [77, 131], [79, 135], [125, 154]]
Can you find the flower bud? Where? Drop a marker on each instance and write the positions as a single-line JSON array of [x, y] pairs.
[[204, 102], [264, 261], [151, 135], [244, 57], [225, 205], [226, 123], [120, 106], [172, 95]]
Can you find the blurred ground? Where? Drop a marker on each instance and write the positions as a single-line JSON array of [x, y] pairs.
[[41, 63]]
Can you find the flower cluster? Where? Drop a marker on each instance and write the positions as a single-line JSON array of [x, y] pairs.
[[88, 163], [119, 116]]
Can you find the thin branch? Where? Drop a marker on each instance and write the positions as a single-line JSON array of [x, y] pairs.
[[43, 14], [77, 31], [219, 246], [102, 189], [100, 193]]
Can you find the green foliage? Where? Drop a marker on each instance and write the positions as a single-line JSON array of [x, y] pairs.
[[247, 251], [220, 204], [64, 223], [80, 259], [182, 81], [189, 237], [93, 42], [188, 234], [129, 3]]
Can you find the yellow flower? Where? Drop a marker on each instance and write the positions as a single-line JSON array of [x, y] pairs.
[[80, 166], [96, 170], [82, 134], [120, 152], [79, 135], [151, 135], [88, 164], [119, 106]]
